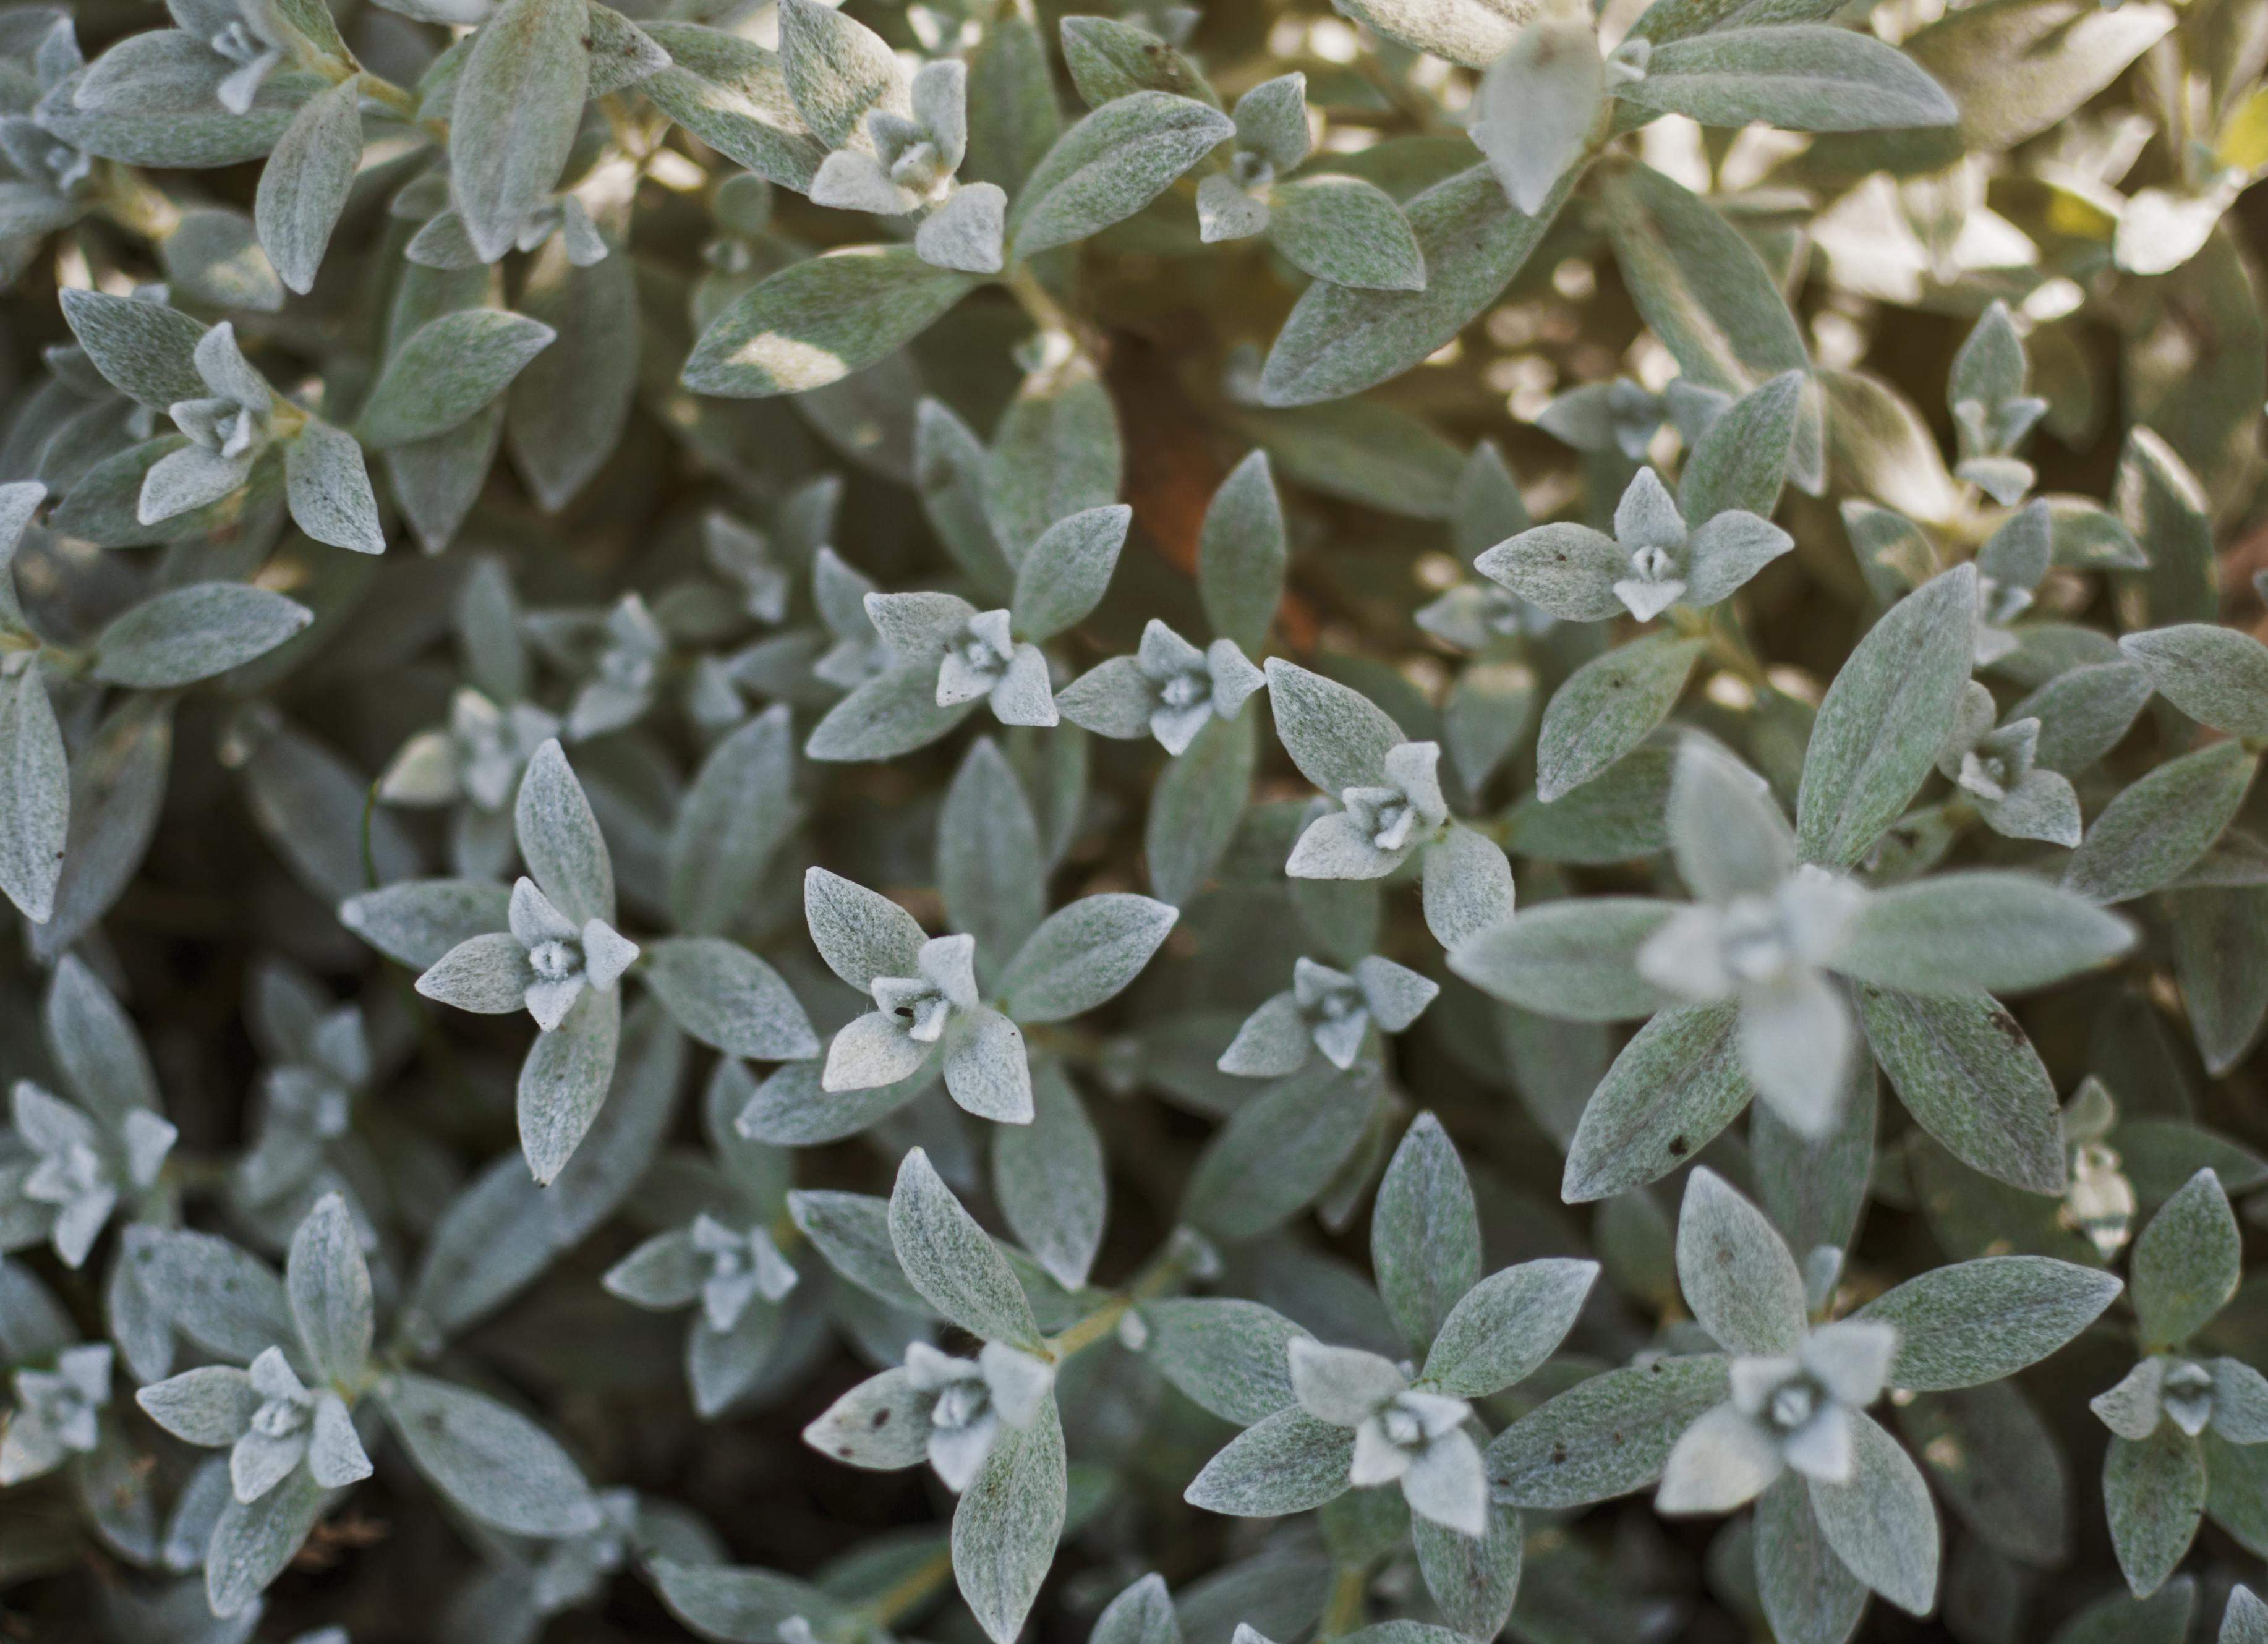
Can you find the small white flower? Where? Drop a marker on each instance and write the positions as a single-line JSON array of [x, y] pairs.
[[271, 1423], [1998, 605], [57, 1413], [495, 744], [1649, 527], [1770, 952], [82, 1169], [742, 1265], [2100, 1203], [1783, 1413], [307, 1103], [977, 652], [1330, 1010], [625, 670], [227, 431], [44, 161], [974, 1397], [985, 1069], [1627, 64], [1337, 1013], [2187, 1396], [1401, 1434], [1707, 952], [1192, 684], [913, 160], [935, 1009], [562, 959], [1997, 770], [277, 1434], [923, 1003], [984, 660], [479, 757], [1381, 826], [240, 44], [244, 33], [1652, 562], [908, 163], [1168, 689], [2226, 1394], [977, 659]]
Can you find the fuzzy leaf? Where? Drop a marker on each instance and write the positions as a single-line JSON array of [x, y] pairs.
[[1424, 1234], [1084, 954], [1976, 1322], [35, 796], [1962, 932], [1800, 76], [1241, 554], [1047, 1176], [1735, 1270], [493, 1462], [303, 187], [1965, 1070], [1111, 164], [1675, 1086], [1605, 1437], [2186, 1263], [1066, 571], [952, 1261], [725, 997], [1286, 1463], [1575, 959], [518, 105], [448, 370], [816, 322], [1227, 1354], [2161, 824], [2154, 1490], [1607, 707], [1340, 340], [1004, 1529], [1347, 231], [1880, 1522], [1506, 1326], [191, 633], [1883, 719]]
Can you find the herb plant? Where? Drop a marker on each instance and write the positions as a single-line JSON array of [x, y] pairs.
[[945, 819]]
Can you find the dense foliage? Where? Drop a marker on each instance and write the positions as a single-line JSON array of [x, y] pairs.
[[1405, 824]]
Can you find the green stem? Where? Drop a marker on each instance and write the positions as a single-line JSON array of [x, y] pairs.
[[131, 202], [195, 1174], [1090, 1329], [1051, 316], [1343, 1614], [1077, 1047], [1165, 1272], [61, 659], [1728, 647], [380, 90], [910, 1590]]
